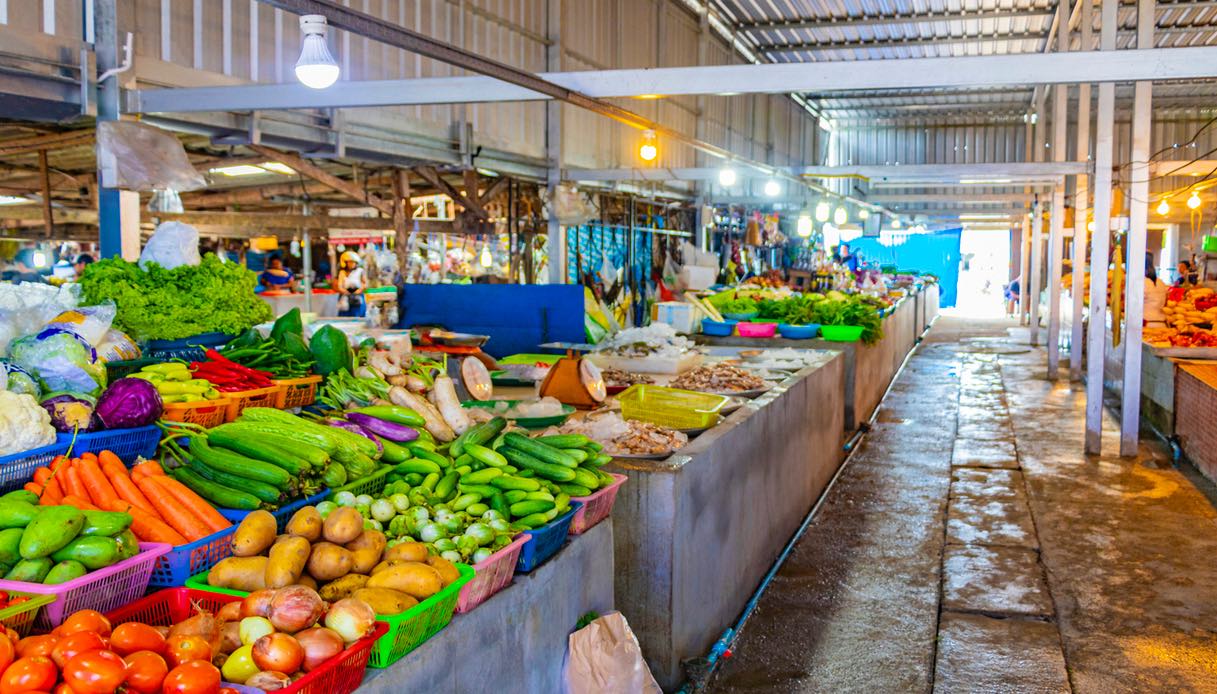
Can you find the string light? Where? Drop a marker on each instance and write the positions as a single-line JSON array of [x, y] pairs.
[[840, 217], [772, 188], [486, 260], [864, 214], [822, 211], [804, 226], [726, 177], [1194, 201], [1164, 208], [649, 150]]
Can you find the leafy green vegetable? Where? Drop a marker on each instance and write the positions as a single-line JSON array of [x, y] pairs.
[[737, 306], [161, 304], [851, 310]]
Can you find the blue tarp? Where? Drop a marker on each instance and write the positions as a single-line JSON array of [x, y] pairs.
[[936, 253]]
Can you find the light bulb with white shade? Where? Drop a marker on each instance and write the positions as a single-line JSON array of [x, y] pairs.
[[726, 177], [803, 228], [772, 188], [316, 68], [1193, 202], [840, 216], [1164, 208], [822, 211]]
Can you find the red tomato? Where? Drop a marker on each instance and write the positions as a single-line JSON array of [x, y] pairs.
[[95, 672], [75, 644], [32, 673], [184, 649], [145, 672], [62, 688], [8, 652], [36, 645], [135, 636], [194, 677], [86, 620]]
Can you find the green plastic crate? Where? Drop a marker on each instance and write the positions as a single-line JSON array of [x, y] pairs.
[[372, 485]]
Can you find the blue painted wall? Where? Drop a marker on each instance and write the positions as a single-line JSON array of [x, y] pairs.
[[936, 253]]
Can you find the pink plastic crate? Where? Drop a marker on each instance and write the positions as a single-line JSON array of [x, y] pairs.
[[102, 590], [596, 507], [492, 575]]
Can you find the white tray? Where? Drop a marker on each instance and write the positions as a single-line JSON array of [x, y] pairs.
[[647, 365]]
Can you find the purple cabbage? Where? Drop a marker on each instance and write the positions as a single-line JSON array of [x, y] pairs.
[[70, 412], [390, 430], [128, 403]]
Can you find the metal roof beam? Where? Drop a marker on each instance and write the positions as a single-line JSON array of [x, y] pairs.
[[890, 20], [783, 48], [950, 174], [952, 199]]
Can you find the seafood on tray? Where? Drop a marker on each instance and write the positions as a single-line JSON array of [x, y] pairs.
[[621, 436], [719, 378], [618, 377]]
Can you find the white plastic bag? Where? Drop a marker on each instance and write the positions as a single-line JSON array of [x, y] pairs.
[[138, 156], [171, 245], [605, 658]]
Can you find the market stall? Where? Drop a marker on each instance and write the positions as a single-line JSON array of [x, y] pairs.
[[1195, 391]]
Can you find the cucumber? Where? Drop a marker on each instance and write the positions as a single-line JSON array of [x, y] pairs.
[[530, 506], [430, 481], [595, 446], [259, 490], [464, 501], [447, 485], [605, 478], [565, 440], [598, 460], [393, 452], [258, 449], [578, 454], [478, 435], [421, 466], [421, 452], [427, 445], [237, 464], [531, 521], [477, 509], [512, 482], [499, 503], [585, 478], [482, 476], [575, 490], [539, 496], [550, 471], [484, 489], [486, 455], [413, 478], [218, 494], [540, 451], [514, 495]]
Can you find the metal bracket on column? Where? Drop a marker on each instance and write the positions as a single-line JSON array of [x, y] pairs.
[[251, 135]]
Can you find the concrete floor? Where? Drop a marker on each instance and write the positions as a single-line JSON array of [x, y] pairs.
[[971, 546]]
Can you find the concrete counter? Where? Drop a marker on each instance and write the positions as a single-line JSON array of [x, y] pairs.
[[695, 533], [515, 642]]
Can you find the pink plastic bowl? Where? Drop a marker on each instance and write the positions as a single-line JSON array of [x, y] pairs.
[[757, 329]]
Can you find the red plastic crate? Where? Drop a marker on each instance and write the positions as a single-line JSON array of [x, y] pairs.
[[341, 674]]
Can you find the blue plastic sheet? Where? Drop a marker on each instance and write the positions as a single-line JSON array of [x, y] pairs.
[[936, 253]]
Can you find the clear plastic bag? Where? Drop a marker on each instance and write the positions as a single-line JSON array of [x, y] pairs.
[[135, 156], [25, 308], [605, 658], [171, 245]]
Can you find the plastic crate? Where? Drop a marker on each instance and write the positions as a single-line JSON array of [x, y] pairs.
[[596, 507], [406, 631], [671, 407], [339, 675], [492, 575], [258, 397], [205, 413], [188, 348], [282, 515], [101, 590], [125, 367], [18, 468], [183, 561], [296, 392], [1210, 244], [127, 444], [373, 484], [544, 542], [20, 618]]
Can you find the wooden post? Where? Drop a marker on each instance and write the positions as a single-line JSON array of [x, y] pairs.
[[48, 217], [402, 215]]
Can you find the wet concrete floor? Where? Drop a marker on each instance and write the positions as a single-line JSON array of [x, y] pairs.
[[971, 546]]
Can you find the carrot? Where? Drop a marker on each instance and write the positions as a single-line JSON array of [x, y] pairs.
[[127, 491], [46, 478], [194, 503], [33, 487], [178, 518], [146, 526], [72, 484], [89, 456], [100, 489], [82, 504], [108, 458], [148, 467], [59, 462]]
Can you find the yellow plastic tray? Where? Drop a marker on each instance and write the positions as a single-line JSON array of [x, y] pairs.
[[671, 407]]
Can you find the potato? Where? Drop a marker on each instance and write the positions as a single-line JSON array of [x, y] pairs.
[[343, 587], [329, 561], [385, 600], [412, 578], [342, 525], [287, 560], [239, 573], [407, 551], [307, 581], [254, 534], [368, 539], [447, 571], [388, 564], [306, 523]]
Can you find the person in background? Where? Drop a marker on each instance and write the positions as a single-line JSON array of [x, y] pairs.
[[846, 258], [1187, 274], [350, 283], [1155, 297], [25, 267], [277, 277], [1012, 296], [80, 262]]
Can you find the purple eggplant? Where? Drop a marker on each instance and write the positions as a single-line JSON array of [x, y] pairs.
[[354, 429], [399, 433]]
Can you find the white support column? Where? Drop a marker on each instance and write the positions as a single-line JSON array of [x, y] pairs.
[[1037, 264], [1056, 232], [1024, 270], [555, 240], [1170, 252], [1080, 207], [1100, 241], [1138, 218]]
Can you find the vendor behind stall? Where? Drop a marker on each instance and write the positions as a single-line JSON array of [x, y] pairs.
[[350, 283], [1155, 297], [277, 277]]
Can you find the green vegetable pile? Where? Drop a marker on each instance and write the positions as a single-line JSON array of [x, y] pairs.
[[795, 310], [160, 304], [741, 305], [834, 309]]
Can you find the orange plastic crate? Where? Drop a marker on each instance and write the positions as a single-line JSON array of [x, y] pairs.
[[258, 397], [205, 413], [297, 392]]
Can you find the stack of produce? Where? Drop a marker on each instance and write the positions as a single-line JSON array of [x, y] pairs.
[[334, 554], [284, 355], [175, 383], [125, 403], [1190, 315], [53, 544], [159, 507], [229, 376]]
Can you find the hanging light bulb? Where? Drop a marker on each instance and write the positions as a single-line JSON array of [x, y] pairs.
[[840, 216], [316, 68], [1090, 226], [804, 226], [772, 188], [648, 151], [726, 176], [864, 214], [895, 222], [1193, 202], [486, 260], [1164, 208], [822, 211]]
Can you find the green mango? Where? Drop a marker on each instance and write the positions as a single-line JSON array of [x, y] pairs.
[[53, 528], [65, 571], [108, 523], [10, 542], [22, 495], [17, 514], [30, 570], [128, 545], [95, 552]]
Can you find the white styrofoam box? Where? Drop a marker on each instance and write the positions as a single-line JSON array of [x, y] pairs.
[[698, 277], [681, 316]]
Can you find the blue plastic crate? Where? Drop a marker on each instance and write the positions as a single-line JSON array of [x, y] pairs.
[[282, 515], [184, 561], [544, 542], [127, 444], [18, 468], [188, 348]]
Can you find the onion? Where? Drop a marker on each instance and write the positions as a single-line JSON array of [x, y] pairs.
[[257, 603], [294, 608], [203, 624], [268, 680], [352, 618], [230, 612], [278, 652], [230, 636], [319, 644]]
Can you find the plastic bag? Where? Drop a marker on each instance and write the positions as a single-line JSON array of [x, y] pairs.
[[25, 308], [61, 360], [172, 244], [117, 346], [89, 322], [136, 156], [604, 658]]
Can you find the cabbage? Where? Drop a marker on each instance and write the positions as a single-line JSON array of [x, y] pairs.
[[69, 412], [61, 361], [127, 403]]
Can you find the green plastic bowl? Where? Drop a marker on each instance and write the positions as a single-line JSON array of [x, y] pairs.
[[841, 333]]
